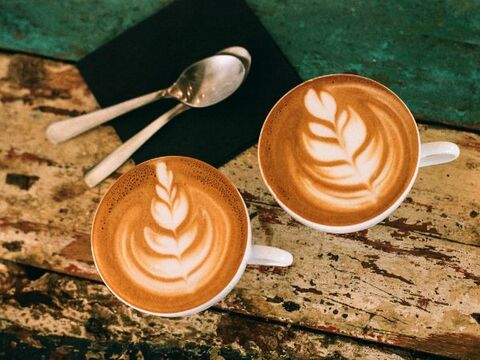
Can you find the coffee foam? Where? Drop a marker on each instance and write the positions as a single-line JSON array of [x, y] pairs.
[[170, 235], [339, 150]]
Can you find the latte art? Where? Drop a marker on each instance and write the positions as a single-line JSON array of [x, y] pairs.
[[175, 237], [348, 162], [181, 251], [338, 150]]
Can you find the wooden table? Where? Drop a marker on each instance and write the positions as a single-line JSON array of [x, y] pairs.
[[404, 289]]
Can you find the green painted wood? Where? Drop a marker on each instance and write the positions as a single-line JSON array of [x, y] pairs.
[[428, 52], [68, 29]]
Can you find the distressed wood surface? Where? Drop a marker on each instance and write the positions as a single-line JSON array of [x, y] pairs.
[[426, 51], [413, 281], [57, 316]]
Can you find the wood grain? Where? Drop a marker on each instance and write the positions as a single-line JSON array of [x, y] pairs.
[[56, 316], [413, 281]]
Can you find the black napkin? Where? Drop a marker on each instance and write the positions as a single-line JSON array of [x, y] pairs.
[[152, 54]]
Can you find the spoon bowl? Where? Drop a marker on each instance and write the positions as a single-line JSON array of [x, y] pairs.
[[208, 81], [241, 53]]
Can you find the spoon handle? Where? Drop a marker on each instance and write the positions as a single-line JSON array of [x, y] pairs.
[[66, 129], [121, 154]]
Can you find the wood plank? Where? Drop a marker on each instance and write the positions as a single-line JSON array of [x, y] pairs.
[[412, 281], [63, 36], [50, 91], [57, 316], [425, 52]]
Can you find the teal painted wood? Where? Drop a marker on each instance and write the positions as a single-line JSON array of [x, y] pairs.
[[68, 29], [427, 52]]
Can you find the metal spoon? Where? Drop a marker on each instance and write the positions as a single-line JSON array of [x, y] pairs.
[[209, 86], [203, 83], [241, 53]]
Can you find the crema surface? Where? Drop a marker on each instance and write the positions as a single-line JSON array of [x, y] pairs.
[[339, 150], [170, 235]]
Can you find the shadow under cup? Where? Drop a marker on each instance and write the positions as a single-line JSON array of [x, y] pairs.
[[340, 152]]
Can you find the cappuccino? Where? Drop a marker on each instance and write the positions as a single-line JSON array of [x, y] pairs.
[[170, 235], [339, 150]]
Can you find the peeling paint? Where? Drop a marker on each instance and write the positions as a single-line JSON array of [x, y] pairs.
[[69, 190], [13, 154], [22, 181], [13, 245], [58, 111], [377, 270], [405, 228]]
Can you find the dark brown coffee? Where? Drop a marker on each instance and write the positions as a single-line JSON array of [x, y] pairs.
[[170, 235], [339, 150]]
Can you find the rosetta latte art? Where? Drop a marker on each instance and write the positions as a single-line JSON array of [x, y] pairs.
[[170, 235], [339, 150], [178, 253], [349, 159]]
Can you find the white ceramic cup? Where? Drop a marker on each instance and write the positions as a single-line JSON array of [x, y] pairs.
[[433, 153], [253, 255]]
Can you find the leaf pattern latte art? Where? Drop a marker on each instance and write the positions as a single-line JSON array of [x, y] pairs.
[[178, 252], [347, 158], [170, 211]]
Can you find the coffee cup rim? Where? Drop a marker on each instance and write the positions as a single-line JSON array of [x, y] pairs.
[[220, 295], [341, 229]]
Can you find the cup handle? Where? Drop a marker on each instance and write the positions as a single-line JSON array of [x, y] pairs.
[[438, 152], [269, 256]]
